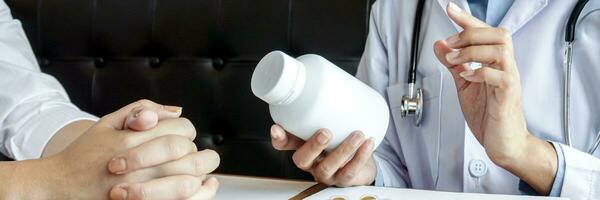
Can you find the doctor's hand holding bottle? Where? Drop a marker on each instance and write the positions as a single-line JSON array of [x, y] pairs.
[[351, 163], [490, 98]]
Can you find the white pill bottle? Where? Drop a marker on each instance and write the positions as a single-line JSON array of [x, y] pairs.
[[310, 93]]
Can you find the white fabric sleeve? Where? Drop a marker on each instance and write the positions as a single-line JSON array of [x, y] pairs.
[[373, 70], [582, 175], [33, 105]]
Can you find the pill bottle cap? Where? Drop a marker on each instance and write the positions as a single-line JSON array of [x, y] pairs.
[[278, 78]]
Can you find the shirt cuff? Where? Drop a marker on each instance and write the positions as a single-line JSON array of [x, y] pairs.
[[560, 172], [38, 131], [526, 189]]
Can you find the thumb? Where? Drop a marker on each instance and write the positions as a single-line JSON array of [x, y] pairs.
[[119, 118], [145, 118]]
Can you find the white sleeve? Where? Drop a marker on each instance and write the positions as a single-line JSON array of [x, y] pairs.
[[373, 70], [582, 175], [33, 105]]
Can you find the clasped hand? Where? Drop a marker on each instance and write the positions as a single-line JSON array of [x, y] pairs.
[[142, 151]]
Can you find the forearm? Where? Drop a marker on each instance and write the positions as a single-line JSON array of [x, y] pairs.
[[66, 136], [30, 179], [537, 165]]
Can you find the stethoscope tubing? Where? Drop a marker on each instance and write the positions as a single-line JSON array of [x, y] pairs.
[[569, 39]]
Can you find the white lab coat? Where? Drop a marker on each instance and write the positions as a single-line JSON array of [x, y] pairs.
[[33, 105], [442, 153]]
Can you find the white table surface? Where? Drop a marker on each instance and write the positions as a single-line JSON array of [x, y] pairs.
[[233, 187]]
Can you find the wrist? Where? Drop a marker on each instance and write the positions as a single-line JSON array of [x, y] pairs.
[[536, 164], [33, 179], [513, 152]]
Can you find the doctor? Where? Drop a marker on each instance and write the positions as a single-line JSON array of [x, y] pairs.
[[497, 129]]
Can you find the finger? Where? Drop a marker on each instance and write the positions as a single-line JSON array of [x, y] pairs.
[[494, 55], [441, 49], [462, 18], [172, 187], [325, 170], [352, 169], [157, 151], [196, 164], [117, 119], [179, 126], [480, 36], [490, 76], [146, 117], [281, 140], [207, 191], [306, 155]]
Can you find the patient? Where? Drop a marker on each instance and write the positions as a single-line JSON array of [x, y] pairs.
[[141, 151]]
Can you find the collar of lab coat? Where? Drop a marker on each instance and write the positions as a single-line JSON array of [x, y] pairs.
[[518, 15]]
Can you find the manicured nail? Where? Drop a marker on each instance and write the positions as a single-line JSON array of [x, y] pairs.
[[357, 138], [117, 165], [323, 137], [452, 7], [275, 133], [452, 56], [369, 144], [137, 114], [452, 40], [119, 193], [467, 73], [173, 109]]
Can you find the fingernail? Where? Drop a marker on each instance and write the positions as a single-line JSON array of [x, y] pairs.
[[370, 144], [275, 133], [117, 165], [119, 193], [356, 139], [452, 7], [452, 56], [467, 73], [323, 137], [452, 40], [137, 114], [173, 109]]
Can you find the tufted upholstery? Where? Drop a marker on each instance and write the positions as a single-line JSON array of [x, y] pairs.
[[198, 54]]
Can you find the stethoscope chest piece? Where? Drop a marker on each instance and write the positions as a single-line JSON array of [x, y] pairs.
[[412, 105]]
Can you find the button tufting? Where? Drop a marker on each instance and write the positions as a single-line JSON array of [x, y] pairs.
[[218, 139], [218, 63], [99, 61], [44, 62], [154, 61]]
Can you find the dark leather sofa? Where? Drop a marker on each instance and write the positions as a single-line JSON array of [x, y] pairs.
[[199, 54]]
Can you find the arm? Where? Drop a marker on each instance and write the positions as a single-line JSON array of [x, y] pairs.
[[34, 105], [490, 99], [66, 136], [165, 162]]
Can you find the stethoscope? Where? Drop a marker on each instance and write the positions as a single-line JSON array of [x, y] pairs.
[[412, 104]]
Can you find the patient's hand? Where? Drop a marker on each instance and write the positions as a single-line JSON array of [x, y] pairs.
[[351, 163], [157, 161]]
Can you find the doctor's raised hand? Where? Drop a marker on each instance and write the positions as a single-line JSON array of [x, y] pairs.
[[490, 98]]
